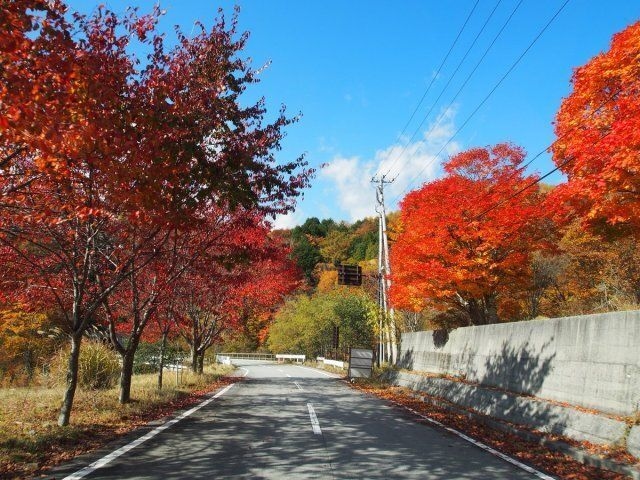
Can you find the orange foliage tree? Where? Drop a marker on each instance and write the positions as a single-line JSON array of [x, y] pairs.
[[598, 129], [458, 247], [103, 154], [27, 341]]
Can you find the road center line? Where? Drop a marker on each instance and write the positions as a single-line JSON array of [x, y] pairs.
[[315, 424], [122, 450]]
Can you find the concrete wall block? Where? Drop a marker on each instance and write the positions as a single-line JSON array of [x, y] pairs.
[[540, 415], [633, 441], [590, 360]]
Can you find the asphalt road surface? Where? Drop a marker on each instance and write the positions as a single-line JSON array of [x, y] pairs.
[[287, 421]]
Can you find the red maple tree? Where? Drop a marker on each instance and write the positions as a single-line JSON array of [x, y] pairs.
[[598, 145], [97, 145], [458, 246], [235, 296]]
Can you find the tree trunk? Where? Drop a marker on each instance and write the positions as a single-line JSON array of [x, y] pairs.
[[475, 312], [534, 302], [29, 364], [201, 362], [194, 359], [72, 380], [163, 348], [126, 374], [491, 306]]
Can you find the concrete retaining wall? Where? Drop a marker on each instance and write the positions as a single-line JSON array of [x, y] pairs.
[[543, 416], [633, 441], [592, 361]]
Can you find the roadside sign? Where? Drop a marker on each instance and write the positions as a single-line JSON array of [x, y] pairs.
[[349, 275], [360, 363]]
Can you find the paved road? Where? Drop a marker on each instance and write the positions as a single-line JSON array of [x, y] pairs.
[[287, 421]]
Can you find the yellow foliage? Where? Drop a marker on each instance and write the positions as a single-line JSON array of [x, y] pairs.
[[26, 340], [328, 281]]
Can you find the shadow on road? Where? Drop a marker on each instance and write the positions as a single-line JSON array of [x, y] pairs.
[[263, 430]]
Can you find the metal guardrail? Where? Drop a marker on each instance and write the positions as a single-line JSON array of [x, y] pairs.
[[224, 360], [281, 357], [248, 356], [333, 363]]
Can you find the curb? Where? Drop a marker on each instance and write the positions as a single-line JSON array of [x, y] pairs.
[[78, 462], [577, 454]]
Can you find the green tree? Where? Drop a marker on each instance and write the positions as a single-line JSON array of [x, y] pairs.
[[305, 324], [363, 247], [356, 315], [335, 246], [307, 256], [314, 227]]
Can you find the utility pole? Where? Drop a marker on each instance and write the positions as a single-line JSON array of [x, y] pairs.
[[381, 294], [384, 270]]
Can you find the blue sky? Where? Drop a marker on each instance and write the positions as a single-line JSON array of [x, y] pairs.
[[357, 70]]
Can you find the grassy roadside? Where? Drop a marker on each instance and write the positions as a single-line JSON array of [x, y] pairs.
[[557, 464], [31, 440], [329, 368]]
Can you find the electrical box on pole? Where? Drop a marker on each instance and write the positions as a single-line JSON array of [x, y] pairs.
[[349, 275]]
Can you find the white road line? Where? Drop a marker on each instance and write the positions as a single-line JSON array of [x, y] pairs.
[[122, 450], [298, 385], [319, 371], [288, 375], [315, 424], [481, 445], [246, 371]]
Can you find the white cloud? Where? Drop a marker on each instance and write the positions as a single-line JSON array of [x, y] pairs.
[[352, 178], [411, 164], [288, 221]]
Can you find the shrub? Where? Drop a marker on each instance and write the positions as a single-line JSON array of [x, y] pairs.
[[99, 366]]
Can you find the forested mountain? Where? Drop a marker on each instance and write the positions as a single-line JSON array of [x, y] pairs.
[[329, 242]]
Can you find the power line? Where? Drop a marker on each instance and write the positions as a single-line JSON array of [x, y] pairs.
[[475, 68], [535, 182], [518, 192], [444, 89], [491, 92], [523, 167], [433, 79]]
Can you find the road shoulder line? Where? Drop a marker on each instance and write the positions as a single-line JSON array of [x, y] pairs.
[[479, 444], [319, 371], [122, 450]]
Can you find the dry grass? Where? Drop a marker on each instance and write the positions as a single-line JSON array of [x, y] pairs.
[[30, 438]]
